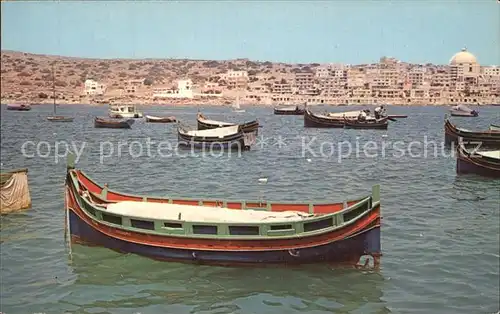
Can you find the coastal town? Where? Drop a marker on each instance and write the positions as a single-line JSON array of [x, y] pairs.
[[29, 78]]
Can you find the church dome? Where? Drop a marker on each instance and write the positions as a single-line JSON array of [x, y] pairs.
[[463, 57]]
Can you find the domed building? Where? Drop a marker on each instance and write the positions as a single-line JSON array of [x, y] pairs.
[[464, 66], [463, 57]]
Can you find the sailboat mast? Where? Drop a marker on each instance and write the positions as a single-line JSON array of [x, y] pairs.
[[54, 87]]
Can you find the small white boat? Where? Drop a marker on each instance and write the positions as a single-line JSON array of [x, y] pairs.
[[153, 119], [124, 112], [463, 111]]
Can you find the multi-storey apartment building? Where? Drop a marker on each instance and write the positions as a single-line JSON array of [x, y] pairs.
[[304, 81], [282, 88]]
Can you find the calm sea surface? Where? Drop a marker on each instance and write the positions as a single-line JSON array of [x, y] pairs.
[[440, 231]]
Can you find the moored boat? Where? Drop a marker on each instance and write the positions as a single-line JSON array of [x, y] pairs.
[[494, 127], [14, 191], [60, 119], [19, 107], [377, 124], [463, 111], [223, 232], [489, 138], [113, 124], [228, 137], [124, 112], [314, 120], [153, 119], [56, 118], [289, 111], [206, 124], [484, 163]]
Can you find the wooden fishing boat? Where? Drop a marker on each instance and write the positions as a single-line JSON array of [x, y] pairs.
[[19, 107], [60, 119], [484, 163], [56, 118], [463, 111], [289, 111], [14, 191], [223, 232], [206, 124], [377, 124], [489, 138], [153, 119], [494, 127], [113, 124], [314, 120], [228, 137]]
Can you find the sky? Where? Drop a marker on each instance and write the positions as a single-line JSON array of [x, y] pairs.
[[335, 31]]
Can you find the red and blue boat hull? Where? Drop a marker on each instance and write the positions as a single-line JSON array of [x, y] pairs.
[[352, 250]]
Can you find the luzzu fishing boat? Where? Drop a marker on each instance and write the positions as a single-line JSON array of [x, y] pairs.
[[229, 137], [206, 124], [488, 138], [223, 232], [484, 163]]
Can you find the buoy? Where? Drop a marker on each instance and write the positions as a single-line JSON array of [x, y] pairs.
[[308, 159], [263, 180]]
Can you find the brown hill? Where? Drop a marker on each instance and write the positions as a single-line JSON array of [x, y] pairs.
[[28, 77]]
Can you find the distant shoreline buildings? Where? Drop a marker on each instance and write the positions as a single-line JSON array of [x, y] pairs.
[[389, 81]]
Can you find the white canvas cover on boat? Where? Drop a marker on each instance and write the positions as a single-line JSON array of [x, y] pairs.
[[217, 132], [289, 108], [491, 154], [15, 193], [165, 211], [347, 114]]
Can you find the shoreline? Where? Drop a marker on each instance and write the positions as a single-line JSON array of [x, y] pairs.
[[218, 103]]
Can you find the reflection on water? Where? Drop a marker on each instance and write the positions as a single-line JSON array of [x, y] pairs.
[[206, 288]]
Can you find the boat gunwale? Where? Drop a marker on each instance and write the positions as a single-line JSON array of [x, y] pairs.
[[296, 234], [451, 129], [356, 199], [245, 126]]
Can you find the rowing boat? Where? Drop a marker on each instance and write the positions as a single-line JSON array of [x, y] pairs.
[[223, 232], [153, 119]]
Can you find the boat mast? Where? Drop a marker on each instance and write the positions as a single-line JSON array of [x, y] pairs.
[[54, 87]]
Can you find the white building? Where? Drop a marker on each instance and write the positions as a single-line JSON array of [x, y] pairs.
[[94, 88], [491, 71], [184, 90], [322, 72], [464, 65], [231, 75]]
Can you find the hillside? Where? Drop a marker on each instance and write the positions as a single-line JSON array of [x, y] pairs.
[[28, 77]]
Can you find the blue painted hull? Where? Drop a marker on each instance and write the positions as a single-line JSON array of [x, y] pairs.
[[363, 246]]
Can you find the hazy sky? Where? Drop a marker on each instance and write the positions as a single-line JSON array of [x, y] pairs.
[[289, 31]]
